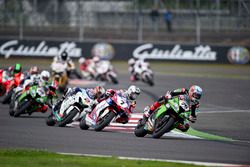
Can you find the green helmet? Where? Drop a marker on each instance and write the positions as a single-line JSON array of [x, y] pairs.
[[17, 68]]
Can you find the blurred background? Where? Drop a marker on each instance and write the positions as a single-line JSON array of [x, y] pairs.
[[224, 22]]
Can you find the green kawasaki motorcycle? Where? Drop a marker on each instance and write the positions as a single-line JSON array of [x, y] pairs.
[[166, 118], [31, 100]]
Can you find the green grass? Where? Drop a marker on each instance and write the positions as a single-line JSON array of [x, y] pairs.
[[39, 158]]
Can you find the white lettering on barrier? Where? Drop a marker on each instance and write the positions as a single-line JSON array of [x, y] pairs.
[[8, 48], [200, 52]]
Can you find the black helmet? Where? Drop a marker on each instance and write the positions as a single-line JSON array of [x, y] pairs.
[[17, 68], [64, 55]]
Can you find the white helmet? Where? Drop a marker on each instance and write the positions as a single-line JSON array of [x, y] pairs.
[[96, 59], [81, 60], [195, 93], [45, 75], [133, 92], [131, 61]]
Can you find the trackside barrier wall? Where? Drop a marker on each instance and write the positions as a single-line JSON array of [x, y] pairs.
[[124, 51]]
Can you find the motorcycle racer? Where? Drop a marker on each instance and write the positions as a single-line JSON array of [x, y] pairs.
[[93, 93], [194, 93], [135, 66], [131, 93], [64, 58]]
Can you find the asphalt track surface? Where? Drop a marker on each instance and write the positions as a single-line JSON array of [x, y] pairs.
[[225, 111]]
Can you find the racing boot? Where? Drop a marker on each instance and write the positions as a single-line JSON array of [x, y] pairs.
[[183, 127]]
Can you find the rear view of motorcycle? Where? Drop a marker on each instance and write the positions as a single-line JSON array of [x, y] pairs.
[[165, 119]]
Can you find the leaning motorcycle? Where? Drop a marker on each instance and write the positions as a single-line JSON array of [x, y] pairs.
[[10, 85], [32, 100], [59, 74], [105, 72], [166, 118], [116, 107], [71, 109], [145, 74]]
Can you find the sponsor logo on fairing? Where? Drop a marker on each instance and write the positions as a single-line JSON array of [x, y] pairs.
[[42, 49], [200, 53]]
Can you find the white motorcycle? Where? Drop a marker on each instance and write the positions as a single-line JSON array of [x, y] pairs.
[[105, 72], [145, 74], [72, 109]]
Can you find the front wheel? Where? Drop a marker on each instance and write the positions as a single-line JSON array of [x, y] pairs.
[[139, 129], [113, 79], [103, 122], [22, 107], [50, 121], [68, 118], [162, 126], [83, 124], [7, 98]]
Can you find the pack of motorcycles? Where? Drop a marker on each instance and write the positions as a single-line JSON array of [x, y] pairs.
[[78, 107]]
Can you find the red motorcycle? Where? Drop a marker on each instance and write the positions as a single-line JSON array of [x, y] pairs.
[[3, 83], [118, 106], [8, 87]]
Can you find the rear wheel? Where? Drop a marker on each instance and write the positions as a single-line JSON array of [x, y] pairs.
[[103, 122], [139, 129], [162, 125], [68, 118]]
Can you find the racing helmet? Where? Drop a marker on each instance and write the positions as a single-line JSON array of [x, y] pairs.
[[195, 93], [131, 61], [96, 59], [45, 75], [64, 55], [34, 70], [17, 68], [99, 91], [81, 60], [133, 92]]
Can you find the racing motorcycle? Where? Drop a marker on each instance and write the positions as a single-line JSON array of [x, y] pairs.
[[145, 74], [116, 107], [105, 72], [59, 74], [10, 85], [166, 118], [3, 83], [31, 100], [72, 109]]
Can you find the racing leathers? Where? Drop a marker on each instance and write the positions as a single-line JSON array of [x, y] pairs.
[[71, 92], [184, 126], [124, 117], [135, 69]]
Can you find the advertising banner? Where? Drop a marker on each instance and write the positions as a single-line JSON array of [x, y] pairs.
[[124, 51]]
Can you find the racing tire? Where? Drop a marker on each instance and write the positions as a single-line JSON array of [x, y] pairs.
[[149, 80], [68, 118], [113, 79], [21, 109], [50, 121], [11, 112], [105, 121], [83, 124], [139, 130], [7, 98], [164, 128]]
